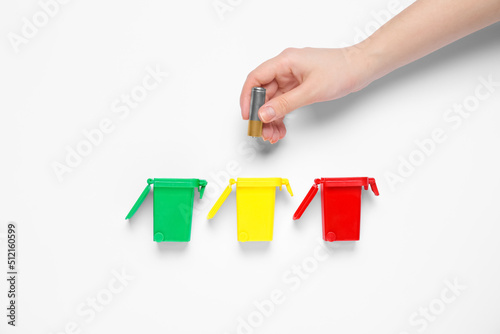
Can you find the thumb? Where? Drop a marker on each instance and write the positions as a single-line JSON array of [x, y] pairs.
[[281, 105]]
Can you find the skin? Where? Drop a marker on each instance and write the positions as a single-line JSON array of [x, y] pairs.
[[298, 77]]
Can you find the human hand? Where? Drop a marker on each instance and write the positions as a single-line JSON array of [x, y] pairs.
[[298, 77]]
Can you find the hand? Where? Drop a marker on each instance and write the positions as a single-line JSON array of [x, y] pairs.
[[298, 77]]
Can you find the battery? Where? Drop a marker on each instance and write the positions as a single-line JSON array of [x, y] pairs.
[[257, 100]]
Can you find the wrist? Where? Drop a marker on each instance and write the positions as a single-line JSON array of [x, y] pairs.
[[370, 60]]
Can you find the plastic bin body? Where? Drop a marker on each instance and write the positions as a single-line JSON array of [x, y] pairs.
[[340, 206], [255, 211], [341, 212], [173, 213], [173, 201], [255, 202]]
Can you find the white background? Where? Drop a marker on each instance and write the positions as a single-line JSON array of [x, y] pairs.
[[441, 224]]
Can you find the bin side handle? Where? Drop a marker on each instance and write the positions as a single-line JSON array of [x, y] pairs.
[[201, 188], [287, 184], [221, 199], [305, 203], [373, 185], [141, 199]]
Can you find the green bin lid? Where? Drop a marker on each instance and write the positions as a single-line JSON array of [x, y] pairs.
[[169, 183]]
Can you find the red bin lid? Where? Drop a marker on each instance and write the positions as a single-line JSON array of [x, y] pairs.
[[349, 182], [334, 182]]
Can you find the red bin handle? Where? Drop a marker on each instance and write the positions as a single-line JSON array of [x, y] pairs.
[[373, 185]]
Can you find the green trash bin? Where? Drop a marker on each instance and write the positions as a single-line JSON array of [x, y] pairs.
[[172, 207]]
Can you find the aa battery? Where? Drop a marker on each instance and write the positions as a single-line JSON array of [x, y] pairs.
[[257, 100]]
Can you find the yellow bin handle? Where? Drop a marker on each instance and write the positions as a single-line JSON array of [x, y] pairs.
[[287, 184]]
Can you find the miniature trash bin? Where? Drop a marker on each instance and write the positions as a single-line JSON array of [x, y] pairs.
[[255, 199], [172, 207], [341, 205]]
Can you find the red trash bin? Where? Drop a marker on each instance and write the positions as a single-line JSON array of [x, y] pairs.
[[340, 204]]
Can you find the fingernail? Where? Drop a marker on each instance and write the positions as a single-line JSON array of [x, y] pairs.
[[267, 114]]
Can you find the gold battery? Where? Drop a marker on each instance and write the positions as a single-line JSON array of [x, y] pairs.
[[257, 100]]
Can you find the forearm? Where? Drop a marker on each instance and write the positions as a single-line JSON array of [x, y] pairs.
[[422, 28]]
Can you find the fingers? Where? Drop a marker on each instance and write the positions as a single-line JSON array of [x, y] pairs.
[[263, 75], [267, 131], [276, 134], [278, 107], [271, 89], [274, 131]]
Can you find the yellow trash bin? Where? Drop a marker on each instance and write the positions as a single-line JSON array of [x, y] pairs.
[[255, 199]]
